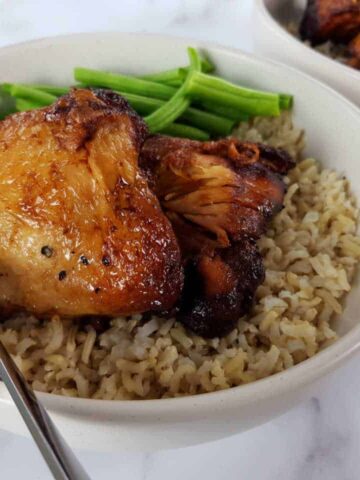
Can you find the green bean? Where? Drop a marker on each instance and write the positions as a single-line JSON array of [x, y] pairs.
[[214, 124], [165, 97], [185, 131], [285, 101], [217, 90], [6, 87], [176, 76], [224, 111], [124, 83], [32, 94], [178, 103], [23, 105]]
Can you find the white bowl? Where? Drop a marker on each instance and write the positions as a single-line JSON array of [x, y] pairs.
[[272, 40], [333, 126]]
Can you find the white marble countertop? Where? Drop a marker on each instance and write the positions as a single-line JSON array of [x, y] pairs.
[[319, 440]]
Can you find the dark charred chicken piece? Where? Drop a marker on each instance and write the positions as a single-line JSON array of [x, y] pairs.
[[336, 20], [354, 53], [81, 233], [219, 288], [219, 197]]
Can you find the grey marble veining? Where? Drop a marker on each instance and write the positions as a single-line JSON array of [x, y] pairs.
[[318, 440]]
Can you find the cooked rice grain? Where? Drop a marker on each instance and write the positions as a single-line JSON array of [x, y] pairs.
[[310, 253]]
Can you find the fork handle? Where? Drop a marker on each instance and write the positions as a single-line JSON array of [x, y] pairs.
[[59, 457]]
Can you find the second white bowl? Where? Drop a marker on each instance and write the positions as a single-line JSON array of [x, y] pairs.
[[273, 40]]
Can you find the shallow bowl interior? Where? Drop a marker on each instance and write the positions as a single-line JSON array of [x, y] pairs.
[[332, 125]]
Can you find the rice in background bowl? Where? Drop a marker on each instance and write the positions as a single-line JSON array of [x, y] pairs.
[[310, 255], [332, 50]]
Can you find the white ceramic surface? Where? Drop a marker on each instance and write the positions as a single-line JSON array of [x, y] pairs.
[[272, 40], [332, 125]]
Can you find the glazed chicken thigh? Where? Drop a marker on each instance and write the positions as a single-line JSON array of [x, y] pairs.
[[337, 20], [81, 233], [219, 197]]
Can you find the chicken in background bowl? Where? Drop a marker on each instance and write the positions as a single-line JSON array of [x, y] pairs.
[[333, 28]]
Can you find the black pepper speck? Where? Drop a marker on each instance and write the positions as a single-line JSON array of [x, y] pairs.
[[62, 275], [106, 260], [47, 251], [84, 260], [97, 290]]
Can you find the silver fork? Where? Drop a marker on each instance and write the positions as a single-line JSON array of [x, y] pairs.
[[59, 457]]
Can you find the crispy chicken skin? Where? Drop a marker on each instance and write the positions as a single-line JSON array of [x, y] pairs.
[[227, 189], [81, 233], [337, 20], [354, 52], [219, 197]]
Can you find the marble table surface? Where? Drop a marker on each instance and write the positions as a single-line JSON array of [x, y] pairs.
[[318, 440]]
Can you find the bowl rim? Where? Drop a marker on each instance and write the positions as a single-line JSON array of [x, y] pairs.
[[262, 7], [297, 376]]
